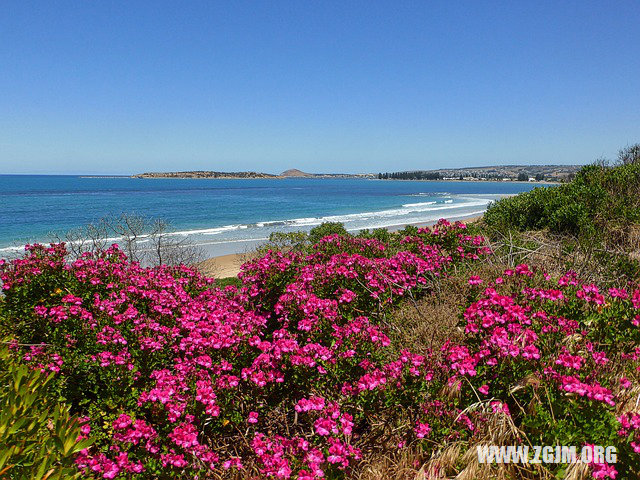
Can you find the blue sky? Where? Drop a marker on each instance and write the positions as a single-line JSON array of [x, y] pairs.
[[125, 87]]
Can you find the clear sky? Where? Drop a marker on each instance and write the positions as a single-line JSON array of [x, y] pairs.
[[323, 86]]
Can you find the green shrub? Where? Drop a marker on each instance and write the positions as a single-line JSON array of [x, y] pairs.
[[600, 204], [225, 282], [324, 229], [380, 234], [39, 436], [283, 242]]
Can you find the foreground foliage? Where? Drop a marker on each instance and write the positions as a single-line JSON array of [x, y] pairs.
[[301, 373], [39, 436]]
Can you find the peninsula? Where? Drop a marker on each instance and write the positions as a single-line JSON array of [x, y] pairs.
[[204, 174], [291, 173]]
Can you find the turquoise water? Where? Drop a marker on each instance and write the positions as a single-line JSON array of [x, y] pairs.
[[219, 214]]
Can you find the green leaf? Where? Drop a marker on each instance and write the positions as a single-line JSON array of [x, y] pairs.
[[82, 444], [5, 454], [59, 444]]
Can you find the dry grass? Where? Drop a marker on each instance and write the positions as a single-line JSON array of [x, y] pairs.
[[403, 464], [634, 242], [555, 254], [426, 323], [459, 460]]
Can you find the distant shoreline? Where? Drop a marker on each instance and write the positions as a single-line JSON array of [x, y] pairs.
[[548, 174], [334, 177], [251, 176], [104, 176]]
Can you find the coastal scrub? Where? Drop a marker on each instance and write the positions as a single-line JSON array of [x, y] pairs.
[[297, 373]]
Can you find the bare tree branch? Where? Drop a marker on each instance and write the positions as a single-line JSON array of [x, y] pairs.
[[143, 239]]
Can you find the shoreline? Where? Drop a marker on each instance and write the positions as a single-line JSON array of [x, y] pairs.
[[332, 177], [225, 266]]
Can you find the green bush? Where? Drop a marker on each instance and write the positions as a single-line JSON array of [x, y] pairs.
[[600, 204], [380, 234], [39, 436], [324, 229], [225, 282], [283, 242]]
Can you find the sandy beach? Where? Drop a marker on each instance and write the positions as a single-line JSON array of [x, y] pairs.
[[225, 266], [222, 266]]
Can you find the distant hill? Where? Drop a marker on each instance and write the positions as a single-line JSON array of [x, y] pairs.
[[294, 172]]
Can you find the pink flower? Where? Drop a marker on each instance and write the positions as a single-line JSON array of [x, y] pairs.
[[233, 462], [312, 403], [253, 417], [185, 435], [122, 422], [422, 430], [324, 426]]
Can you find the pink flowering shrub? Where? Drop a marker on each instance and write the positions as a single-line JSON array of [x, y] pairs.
[[179, 376], [563, 356], [298, 374]]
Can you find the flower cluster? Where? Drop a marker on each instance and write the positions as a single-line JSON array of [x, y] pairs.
[[296, 373]]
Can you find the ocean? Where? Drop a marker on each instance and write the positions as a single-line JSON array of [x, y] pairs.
[[229, 216]]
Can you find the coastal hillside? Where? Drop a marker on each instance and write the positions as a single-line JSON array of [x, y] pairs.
[[551, 173], [396, 355]]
